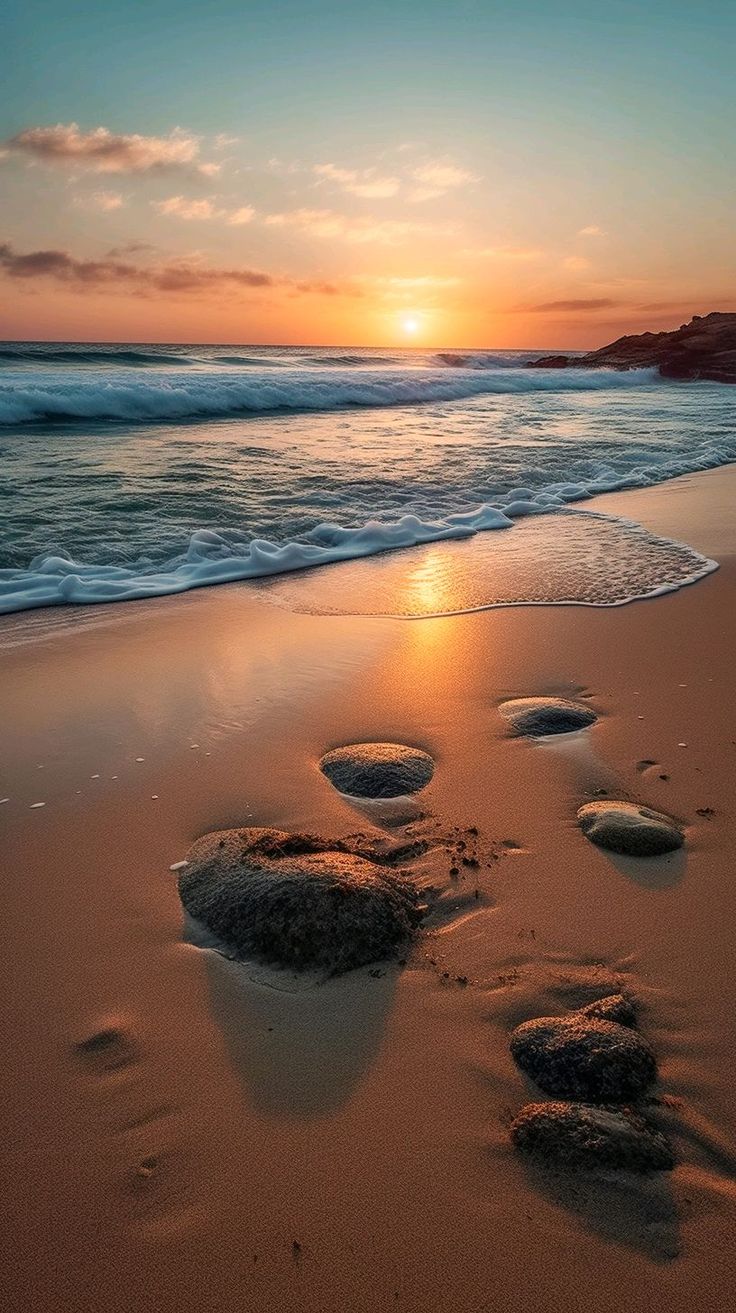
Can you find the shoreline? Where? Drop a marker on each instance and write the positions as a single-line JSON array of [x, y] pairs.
[[347, 1147]]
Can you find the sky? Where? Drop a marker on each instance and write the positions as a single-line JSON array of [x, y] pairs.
[[543, 173]]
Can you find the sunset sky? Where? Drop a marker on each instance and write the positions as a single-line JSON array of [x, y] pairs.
[[538, 173]]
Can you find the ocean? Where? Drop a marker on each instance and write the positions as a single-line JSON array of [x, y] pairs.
[[129, 471]]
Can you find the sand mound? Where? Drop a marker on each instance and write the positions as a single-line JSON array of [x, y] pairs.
[[577, 1135], [584, 1057], [293, 900], [614, 1008], [625, 827], [539, 716], [377, 770]]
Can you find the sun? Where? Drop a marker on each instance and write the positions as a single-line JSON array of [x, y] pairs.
[[410, 325]]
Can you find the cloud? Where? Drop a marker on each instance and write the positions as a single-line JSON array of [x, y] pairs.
[[133, 247], [366, 183], [576, 263], [100, 200], [114, 274], [184, 208], [441, 176], [504, 252], [592, 230], [601, 303], [359, 231], [102, 151], [423, 286], [181, 207], [243, 215]]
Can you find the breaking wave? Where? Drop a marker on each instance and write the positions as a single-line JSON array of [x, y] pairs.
[[155, 396]]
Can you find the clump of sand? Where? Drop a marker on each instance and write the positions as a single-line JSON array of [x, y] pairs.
[[629, 829], [377, 770], [578, 1135], [537, 717], [295, 901], [584, 1056], [614, 1008]]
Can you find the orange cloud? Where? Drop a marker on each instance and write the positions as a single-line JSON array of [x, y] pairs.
[[360, 231], [366, 183], [601, 303]]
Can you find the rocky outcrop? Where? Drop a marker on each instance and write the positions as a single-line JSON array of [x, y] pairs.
[[703, 349]]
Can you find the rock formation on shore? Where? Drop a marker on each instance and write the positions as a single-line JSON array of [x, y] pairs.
[[703, 349]]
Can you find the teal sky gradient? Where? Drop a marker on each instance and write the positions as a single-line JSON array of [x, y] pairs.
[[563, 115]]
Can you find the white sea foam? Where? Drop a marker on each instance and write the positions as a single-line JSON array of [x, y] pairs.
[[213, 559], [155, 395]]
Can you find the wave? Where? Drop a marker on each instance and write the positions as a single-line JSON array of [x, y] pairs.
[[356, 359], [53, 578], [24, 355], [157, 398], [485, 359]]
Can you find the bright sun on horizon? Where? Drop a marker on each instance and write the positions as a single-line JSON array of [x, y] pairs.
[[410, 325]]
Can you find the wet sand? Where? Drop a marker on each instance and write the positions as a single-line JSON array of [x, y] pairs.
[[183, 1136]]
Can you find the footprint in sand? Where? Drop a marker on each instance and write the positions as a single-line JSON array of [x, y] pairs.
[[134, 1135], [538, 717], [107, 1050]]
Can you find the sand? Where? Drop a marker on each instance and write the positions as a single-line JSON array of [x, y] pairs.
[[182, 1134]]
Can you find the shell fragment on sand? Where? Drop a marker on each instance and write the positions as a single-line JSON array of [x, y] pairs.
[[297, 901], [540, 716], [377, 770], [583, 1056], [629, 829], [577, 1135]]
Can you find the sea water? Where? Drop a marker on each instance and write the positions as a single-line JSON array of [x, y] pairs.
[[133, 471]]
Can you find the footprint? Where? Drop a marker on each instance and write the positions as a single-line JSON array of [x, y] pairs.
[[108, 1049]]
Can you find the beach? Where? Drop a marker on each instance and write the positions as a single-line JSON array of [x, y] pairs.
[[233, 1145]]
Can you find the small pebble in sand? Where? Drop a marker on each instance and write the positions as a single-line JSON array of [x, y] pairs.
[[682, 745], [178, 866], [2, 800], [94, 777], [377, 770], [576, 1135], [583, 1056], [38, 804], [297, 901], [193, 746], [154, 797], [629, 829], [540, 716]]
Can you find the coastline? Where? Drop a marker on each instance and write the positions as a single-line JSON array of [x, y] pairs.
[[364, 1122]]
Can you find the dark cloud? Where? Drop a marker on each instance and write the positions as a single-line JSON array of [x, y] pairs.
[[601, 303], [102, 151], [176, 277]]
